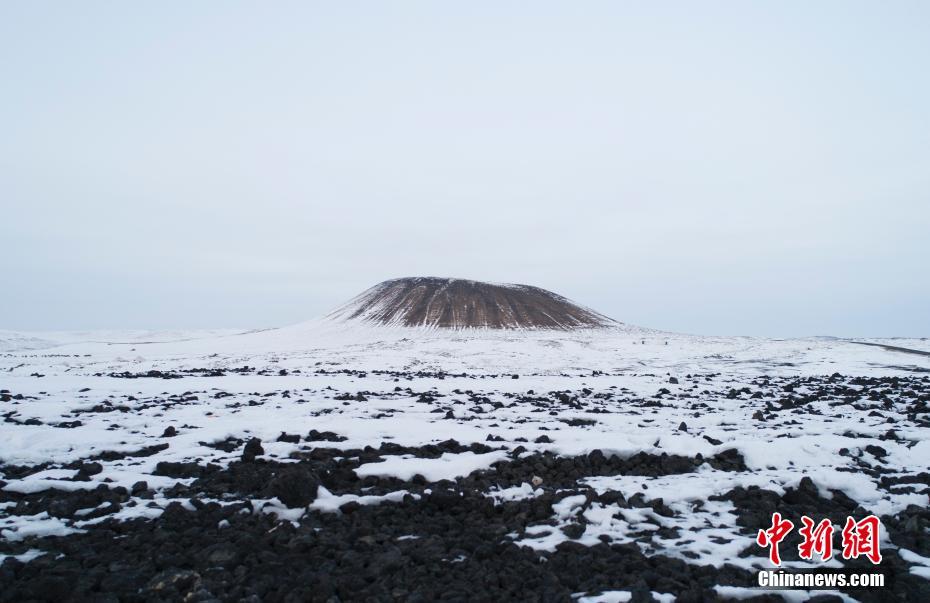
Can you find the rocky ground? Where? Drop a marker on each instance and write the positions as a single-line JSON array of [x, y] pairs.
[[190, 485]]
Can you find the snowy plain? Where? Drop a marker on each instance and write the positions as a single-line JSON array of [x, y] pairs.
[[71, 397]]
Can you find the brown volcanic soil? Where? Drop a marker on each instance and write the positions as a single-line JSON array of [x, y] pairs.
[[463, 304]]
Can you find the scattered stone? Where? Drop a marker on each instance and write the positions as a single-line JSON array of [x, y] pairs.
[[350, 507], [295, 486], [252, 449]]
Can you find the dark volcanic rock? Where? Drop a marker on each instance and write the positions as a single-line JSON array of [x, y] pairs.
[[443, 541], [219, 539], [460, 553], [289, 438], [295, 486], [178, 470], [252, 449]]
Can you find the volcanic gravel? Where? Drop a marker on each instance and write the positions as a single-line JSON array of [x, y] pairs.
[[464, 304], [215, 534]]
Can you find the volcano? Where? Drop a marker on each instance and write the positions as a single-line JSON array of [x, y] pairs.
[[450, 303]]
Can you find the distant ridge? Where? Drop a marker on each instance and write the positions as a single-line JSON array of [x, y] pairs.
[[449, 303]]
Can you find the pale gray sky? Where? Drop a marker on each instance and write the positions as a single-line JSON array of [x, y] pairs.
[[708, 167]]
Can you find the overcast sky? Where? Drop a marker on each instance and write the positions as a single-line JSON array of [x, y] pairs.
[[709, 167]]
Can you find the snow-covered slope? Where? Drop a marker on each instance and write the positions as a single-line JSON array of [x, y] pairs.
[[358, 345]]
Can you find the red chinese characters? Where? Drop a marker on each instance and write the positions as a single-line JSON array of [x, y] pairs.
[[816, 539], [861, 538], [774, 535]]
